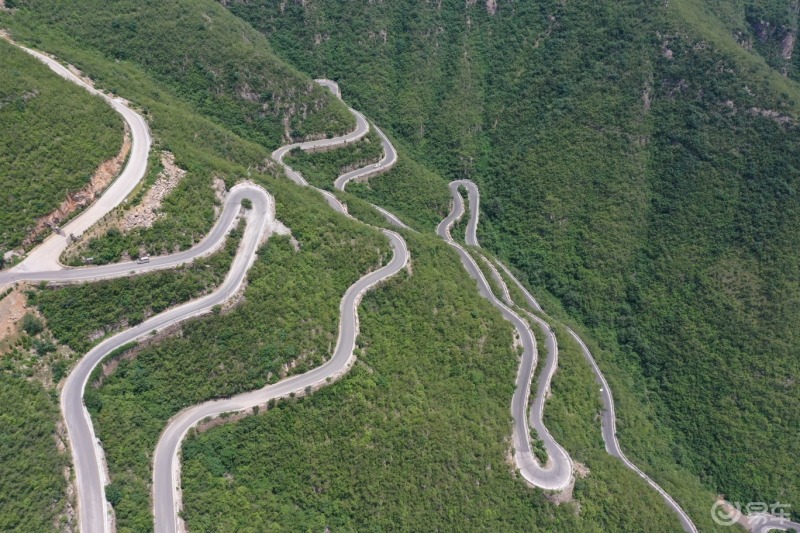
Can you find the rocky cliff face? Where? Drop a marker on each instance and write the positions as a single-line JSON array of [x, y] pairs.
[[773, 32], [81, 198]]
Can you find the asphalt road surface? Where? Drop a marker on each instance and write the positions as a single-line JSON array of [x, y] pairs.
[[608, 423], [389, 159], [45, 256], [166, 463], [86, 451], [167, 494], [362, 174], [764, 523], [362, 128], [609, 419], [207, 246], [42, 264], [556, 474]]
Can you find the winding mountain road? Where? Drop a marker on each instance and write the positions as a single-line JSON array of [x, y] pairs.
[[42, 264], [609, 421], [556, 474], [608, 424], [388, 160], [166, 462], [45, 256], [362, 128], [86, 452]]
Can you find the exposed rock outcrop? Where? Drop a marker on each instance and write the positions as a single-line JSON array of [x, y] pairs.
[[771, 114], [147, 212], [79, 199]]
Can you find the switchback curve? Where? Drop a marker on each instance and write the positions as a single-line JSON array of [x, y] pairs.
[[86, 451], [42, 265], [556, 474], [167, 496], [45, 256], [608, 423]]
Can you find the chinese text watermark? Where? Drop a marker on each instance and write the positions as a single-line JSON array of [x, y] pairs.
[[727, 513]]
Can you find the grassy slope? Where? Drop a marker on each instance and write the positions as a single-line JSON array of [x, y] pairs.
[[294, 468], [196, 87], [54, 135], [290, 312], [620, 181], [751, 28], [219, 64], [733, 27], [414, 438]]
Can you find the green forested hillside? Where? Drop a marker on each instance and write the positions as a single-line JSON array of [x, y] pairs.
[[416, 436], [220, 65], [217, 98], [637, 168], [32, 480], [34, 467], [634, 165], [288, 316], [34, 490], [767, 28], [336, 442], [53, 135]]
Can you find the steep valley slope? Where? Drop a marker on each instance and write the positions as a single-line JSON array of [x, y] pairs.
[[639, 165]]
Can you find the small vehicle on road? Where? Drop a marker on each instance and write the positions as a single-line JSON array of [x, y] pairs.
[[143, 259]]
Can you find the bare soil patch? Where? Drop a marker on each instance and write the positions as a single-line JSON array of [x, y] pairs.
[[12, 308]]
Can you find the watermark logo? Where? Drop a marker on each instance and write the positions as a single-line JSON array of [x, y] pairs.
[[726, 513]]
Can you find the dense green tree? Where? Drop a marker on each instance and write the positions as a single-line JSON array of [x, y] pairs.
[[31, 469], [31, 324], [638, 168], [636, 163], [53, 135]]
